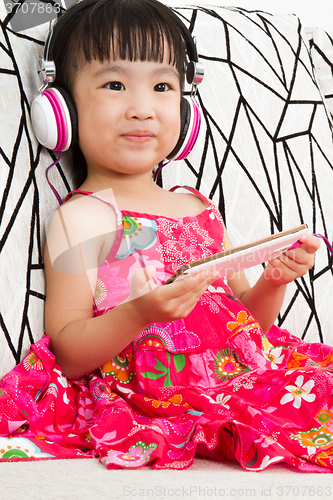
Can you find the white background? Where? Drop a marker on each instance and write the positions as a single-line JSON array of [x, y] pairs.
[[313, 13]]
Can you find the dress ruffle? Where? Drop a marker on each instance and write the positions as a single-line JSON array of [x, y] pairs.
[[257, 418]]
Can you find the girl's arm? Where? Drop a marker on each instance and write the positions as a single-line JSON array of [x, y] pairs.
[[82, 343], [264, 300]]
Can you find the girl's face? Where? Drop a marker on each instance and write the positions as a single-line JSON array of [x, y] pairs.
[[128, 114]]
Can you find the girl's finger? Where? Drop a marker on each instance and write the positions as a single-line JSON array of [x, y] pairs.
[[201, 285], [310, 243]]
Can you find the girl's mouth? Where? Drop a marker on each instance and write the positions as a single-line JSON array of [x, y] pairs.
[[138, 136]]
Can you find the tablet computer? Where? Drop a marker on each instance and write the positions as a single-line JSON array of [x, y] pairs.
[[245, 256]]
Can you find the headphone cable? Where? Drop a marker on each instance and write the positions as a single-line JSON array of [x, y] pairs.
[[159, 168], [50, 183]]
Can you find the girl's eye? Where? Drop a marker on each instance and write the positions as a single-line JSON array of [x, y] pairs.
[[115, 86], [162, 87]]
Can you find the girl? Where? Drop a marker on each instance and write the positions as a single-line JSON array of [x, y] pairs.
[[142, 372]]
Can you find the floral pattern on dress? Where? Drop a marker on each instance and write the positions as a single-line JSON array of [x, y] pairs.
[[175, 400], [315, 438], [19, 448], [100, 292], [111, 287], [165, 368], [139, 234], [274, 354], [136, 456], [165, 337], [227, 365], [120, 368], [32, 361], [213, 301], [244, 321], [299, 392], [298, 360], [178, 250], [325, 417]]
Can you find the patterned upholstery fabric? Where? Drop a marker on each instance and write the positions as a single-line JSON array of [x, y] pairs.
[[265, 156], [321, 48]]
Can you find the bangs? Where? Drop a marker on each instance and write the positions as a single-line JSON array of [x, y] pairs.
[[130, 37], [121, 29]]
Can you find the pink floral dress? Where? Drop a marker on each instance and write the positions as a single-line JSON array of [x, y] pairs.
[[211, 384]]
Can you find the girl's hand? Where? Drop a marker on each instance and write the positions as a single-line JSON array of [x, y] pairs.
[[160, 304], [293, 263]]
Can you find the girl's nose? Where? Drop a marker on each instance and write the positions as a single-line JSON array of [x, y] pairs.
[[140, 107]]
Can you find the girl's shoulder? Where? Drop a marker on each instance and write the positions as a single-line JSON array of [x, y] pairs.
[[82, 223], [189, 205], [190, 201], [87, 215]]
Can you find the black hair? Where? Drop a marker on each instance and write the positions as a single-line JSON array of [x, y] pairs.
[[109, 29]]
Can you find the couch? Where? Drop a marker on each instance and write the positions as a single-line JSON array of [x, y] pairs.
[[264, 155]]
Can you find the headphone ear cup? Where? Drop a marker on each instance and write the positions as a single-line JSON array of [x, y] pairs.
[[73, 120], [54, 119], [190, 120]]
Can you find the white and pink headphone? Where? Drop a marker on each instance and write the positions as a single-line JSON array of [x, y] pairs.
[[53, 113]]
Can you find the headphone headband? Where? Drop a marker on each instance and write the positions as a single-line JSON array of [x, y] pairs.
[[60, 24], [46, 66]]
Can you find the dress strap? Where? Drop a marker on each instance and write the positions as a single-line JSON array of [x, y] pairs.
[[77, 191], [193, 191]]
